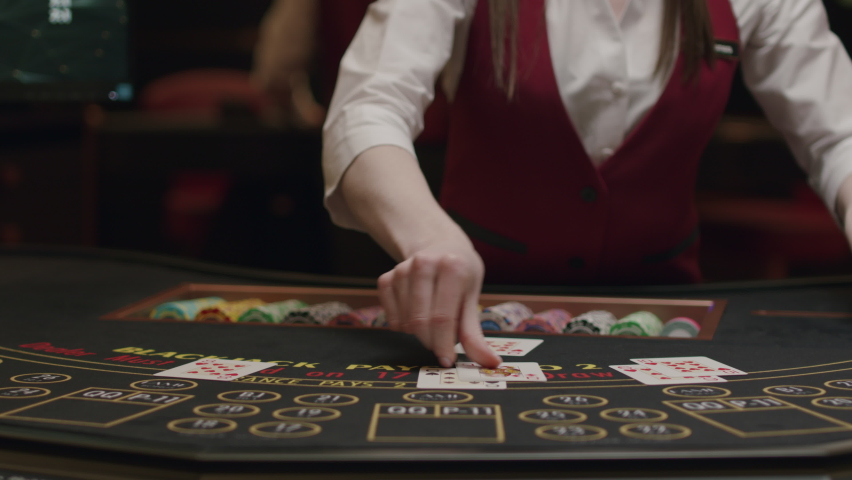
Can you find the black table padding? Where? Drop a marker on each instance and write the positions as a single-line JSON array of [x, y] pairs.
[[56, 296]]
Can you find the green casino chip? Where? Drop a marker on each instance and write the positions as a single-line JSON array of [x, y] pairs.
[[272, 312], [184, 309], [642, 323], [629, 327]]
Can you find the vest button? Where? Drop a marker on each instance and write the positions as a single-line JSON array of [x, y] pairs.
[[589, 194], [577, 263]]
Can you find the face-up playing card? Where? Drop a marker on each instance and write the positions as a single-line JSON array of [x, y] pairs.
[[649, 376], [510, 372], [448, 378], [508, 347], [215, 369], [680, 366]]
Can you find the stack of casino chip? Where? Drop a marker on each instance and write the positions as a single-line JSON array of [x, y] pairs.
[[642, 324], [681, 327], [595, 322], [319, 314], [227, 311], [362, 317], [549, 321], [184, 309], [271, 312], [504, 316]]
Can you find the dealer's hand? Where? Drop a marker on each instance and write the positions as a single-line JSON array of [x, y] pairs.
[[843, 207], [434, 290], [434, 295]]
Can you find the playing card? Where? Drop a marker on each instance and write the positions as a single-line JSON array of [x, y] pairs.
[[215, 369], [649, 376], [510, 372], [680, 366], [448, 378], [508, 347]]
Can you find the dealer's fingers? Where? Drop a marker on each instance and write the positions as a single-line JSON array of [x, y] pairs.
[[421, 287], [472, 339], [388, 300], [400, 294], [447, 308]]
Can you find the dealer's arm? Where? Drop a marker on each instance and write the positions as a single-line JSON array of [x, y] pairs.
[[801, 74], [844, 207], [434, 291]]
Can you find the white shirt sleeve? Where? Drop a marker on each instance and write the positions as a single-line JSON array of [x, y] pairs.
[[801, 75], [386, 82]]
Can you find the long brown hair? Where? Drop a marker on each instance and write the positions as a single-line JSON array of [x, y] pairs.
[[696, 41]]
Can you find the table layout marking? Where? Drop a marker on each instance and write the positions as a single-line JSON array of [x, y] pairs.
[[226, 410], [570, 433], [655, 431], [45, 378], [552, 415], [728, 407], [72, 360], [285, 429], [110, 396], [441, 420]]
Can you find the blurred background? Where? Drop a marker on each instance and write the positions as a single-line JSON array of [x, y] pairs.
[[192, 128]]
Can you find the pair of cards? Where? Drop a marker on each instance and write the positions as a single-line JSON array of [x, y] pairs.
[[215, 369], [677, 370], [508, 347], [472, 376]]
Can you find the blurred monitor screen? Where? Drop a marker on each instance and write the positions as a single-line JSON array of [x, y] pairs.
[[64, 50]]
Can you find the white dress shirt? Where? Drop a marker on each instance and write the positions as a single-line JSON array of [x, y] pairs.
[[795, 67]]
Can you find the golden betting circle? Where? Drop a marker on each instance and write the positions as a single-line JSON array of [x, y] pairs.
[[634, 415], [570, 432], [202, 426], [794, 391], [320, 399], [41, 378], [23, 392], [575, 401], [226, 410], [285, 429], [696, 391], [249, 396], [552, 415], [836, 403], [655, 431], [839, 384], [166, 384], [314, 414], [438, 396]]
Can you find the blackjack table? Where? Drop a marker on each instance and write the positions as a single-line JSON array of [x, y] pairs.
[[80, 398]]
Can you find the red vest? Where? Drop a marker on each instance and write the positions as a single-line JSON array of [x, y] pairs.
[[519, 182]]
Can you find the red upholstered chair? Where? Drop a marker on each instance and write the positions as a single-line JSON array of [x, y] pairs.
[[194, 197], [202, 92]]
